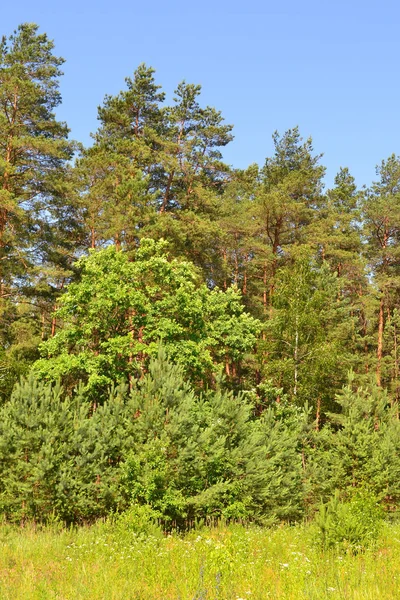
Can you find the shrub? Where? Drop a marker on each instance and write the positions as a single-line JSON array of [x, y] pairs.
[[353, 525], [359, 447], [139, 520], [208, 457]]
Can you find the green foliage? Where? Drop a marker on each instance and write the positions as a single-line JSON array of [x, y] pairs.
[[35, 148], [57, 456], [35, 432], [19, 341], [353, 525], [89, 483], [138, 520], [35, 252], [182, 245], [207, 457], [159, 446], [115, 315], [359, 447], [306, 334]]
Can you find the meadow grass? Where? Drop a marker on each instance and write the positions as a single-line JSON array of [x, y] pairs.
[[226, 562]]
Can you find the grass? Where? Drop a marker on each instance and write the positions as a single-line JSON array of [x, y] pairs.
[[228, 563]]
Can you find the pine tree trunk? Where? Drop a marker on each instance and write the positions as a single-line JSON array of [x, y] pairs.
[[396, 370], [117, 241], [227, 368], [167, 191], [236, 279], [225, 262], [318, 416], [43, 326], [54, 320], [296, 356], [381, 324], [264, 296], [245, 278], [53, 323], [380, 342]]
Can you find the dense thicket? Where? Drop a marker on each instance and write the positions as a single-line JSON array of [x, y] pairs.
[[187, 456], [264, 289]]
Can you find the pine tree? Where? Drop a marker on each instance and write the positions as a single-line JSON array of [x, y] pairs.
[[337, 229], [119, 173], [206, 457], [239, 244], [381, 214], [33, 147], [34, 151], [290, 193], [35, 432], [191, 154], [359, 447], [336, 239]]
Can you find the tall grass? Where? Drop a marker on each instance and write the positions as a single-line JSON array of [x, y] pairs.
[[107, 562]]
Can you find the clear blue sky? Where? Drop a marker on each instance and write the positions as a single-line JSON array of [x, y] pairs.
[[330, 66]]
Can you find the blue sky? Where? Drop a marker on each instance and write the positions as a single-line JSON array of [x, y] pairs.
[[329, 66]]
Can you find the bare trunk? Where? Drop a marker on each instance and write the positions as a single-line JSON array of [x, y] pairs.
[[396, 370], [245, 279], [6, 185], [236, 269], [275, 247], [54, 319], [265, 288], [318, 416], [225, 261], [167, 192], [380, 342], [296, 356], [227, 368], [381, 324], [137, 123], [53, 324], [364, 328]]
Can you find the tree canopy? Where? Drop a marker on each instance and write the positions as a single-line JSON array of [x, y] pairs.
[[180, 333], [118, 312]]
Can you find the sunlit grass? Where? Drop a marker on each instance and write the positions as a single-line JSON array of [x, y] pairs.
[[224, 562]]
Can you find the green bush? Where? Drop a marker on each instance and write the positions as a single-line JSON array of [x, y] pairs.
[[208, 457], [353, 525], [138, 520], [358, 448], [58, 457], [159, 446]]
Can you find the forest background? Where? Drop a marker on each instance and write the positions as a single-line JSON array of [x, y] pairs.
[[179, 334]]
